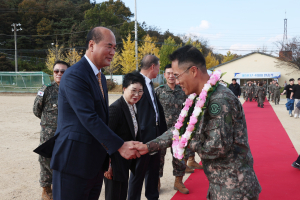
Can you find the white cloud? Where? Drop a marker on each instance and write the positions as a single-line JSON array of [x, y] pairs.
[[261, 38], [203, 25], [206, 36], [276, 38]]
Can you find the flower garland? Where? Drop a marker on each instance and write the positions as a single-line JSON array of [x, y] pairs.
[[193, 110]]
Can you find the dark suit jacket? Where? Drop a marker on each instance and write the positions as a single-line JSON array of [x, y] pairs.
[[120, 121], [147, 117], [84, 136]]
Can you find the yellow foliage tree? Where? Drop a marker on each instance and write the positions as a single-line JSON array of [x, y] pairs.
[[211, 61], [54, 54], [148, 47], [196, 44], [72, 57], [114, 65], [127, 59], [229, 56]]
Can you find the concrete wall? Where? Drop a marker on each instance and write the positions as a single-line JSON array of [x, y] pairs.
[[258, 63]]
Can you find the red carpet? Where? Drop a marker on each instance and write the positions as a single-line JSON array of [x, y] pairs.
[[273, 154]]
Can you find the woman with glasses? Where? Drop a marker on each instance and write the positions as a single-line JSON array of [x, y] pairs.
[[45, 107], [123, 121]]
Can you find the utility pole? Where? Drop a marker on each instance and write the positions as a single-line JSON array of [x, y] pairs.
[[136, 39], [14, 29]]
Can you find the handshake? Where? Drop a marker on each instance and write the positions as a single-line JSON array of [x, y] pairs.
[[133, 149]]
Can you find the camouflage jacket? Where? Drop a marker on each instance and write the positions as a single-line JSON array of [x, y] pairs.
[[276, 90], [260, 91], [271, 88], [266, 87], [222, 143], [249, 89], [45, 105], [171, 101]]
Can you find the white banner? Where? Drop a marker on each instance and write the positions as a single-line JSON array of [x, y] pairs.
[[257, 75]]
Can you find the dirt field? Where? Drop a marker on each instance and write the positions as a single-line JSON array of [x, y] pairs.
[[19, 135]]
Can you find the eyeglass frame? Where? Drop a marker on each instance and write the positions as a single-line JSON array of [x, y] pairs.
[[137, 92], [177, 76], [56, 71]]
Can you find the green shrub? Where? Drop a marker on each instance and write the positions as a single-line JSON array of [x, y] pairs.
[[110, 84]]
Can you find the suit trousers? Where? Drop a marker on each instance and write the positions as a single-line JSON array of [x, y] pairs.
[[66, 186], [115, 190], [147, 167]]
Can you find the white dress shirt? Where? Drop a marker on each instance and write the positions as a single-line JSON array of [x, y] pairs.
[[94, 68], [147, 80]]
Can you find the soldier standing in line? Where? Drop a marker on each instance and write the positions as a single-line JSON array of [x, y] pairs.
[[255, 90], [249, 92], [171, 98], [269, 90], [260, 94], [276, 93], [244, 91], [45, 107], [265, 85]]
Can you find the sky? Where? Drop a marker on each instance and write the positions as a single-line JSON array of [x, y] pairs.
[[241, 26]]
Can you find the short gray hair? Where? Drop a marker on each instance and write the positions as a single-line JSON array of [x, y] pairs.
[[149, 60]]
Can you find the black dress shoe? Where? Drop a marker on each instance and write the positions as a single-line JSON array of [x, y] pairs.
[[296, 165]]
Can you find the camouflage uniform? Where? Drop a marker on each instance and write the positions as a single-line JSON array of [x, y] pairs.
[[255, 88], [269, 91], [266, 88], [260, 94], [272, 92], [222, 143], [244, 91], [249, 94], [45, 108], [276, 92], [171, 101]]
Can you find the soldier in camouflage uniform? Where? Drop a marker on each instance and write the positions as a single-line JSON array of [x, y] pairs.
[[269, 90], [171, 98], [272, 90], [221, 139], [276, 91], [249, 92], [260, 94], [45, 107]]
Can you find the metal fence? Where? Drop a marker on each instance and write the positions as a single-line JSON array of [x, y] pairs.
[[24, 82]]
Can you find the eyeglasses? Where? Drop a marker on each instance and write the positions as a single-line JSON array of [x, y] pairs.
[[134, 92], [177, 76], [56, 71]]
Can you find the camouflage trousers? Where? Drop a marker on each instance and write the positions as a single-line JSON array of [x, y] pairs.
[[46, 172], [272, 96], [178, 165], [277, 98], [261, 100]]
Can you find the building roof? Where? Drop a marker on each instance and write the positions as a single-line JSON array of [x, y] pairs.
[[249, 54]]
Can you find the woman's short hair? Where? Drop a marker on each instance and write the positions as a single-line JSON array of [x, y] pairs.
[[132, 78]]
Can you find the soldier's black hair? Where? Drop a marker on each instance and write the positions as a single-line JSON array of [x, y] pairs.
[[148, 61], [189, 55], [61, 62], [132, 78], [168, 66], [233, 79]]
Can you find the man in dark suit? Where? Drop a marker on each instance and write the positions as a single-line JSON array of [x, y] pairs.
[[79, 157], [152, 121]]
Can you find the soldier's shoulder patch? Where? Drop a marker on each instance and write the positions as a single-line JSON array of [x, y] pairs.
[[40, 93], [161, 86], [215, 108], [49, 84]]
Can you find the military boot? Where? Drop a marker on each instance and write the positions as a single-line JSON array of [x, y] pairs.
[[178, 185], [262, 105], [192, 163], [187, 168], [47, 193]]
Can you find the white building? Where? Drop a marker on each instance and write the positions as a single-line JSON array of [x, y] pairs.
[[258, 66]]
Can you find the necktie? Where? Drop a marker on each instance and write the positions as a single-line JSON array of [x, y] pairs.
[[100, 84], [154, 97]]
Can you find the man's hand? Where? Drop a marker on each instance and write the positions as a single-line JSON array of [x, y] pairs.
[[127, 153], [238, 96], [142, 148], [108, 174]]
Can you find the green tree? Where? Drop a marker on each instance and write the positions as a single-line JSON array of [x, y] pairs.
[[114, 65], [148, 47], [167, 48]]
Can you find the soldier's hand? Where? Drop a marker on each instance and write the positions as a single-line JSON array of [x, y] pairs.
[[142, 148], [128, 153]]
